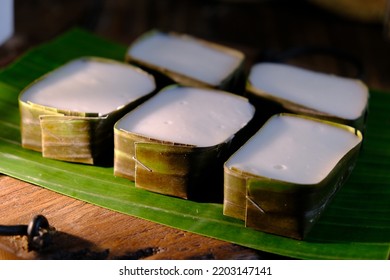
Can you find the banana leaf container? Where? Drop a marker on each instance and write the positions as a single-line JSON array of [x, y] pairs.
[[281, 88], [74, 135], [181, 169], [286, 207], [173, 169], [175, 58]]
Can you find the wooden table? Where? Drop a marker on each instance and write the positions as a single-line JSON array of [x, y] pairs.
[[90, 232]]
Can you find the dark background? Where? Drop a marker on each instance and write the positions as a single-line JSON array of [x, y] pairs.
[[253, 26]]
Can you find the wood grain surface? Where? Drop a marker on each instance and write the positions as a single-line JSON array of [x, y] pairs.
[[85, 231]]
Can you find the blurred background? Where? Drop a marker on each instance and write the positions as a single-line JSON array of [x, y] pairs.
[[358, 28]]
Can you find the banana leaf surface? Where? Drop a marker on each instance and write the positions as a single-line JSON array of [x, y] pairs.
[[356, 225]]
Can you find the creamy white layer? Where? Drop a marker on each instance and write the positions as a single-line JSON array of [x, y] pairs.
[[91, 86], [294, 149], [187, 115], [342, 97], [186, 56]]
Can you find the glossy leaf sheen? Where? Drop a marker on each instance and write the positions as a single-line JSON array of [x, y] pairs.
[[356, 225]]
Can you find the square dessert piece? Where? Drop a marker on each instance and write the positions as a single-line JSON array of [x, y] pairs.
[[189, 61], [69, 113], [281, 180], [176, 142], [279, 88]]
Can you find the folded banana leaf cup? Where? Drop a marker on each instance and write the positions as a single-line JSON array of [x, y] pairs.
[[69, 113], [175, 58], [283, 178], [176, 142], [281, 88]]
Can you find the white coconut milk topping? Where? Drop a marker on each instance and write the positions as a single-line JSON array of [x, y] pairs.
[[338, 96], [185, 56], [294, 150], [188, 115], [91, 86]]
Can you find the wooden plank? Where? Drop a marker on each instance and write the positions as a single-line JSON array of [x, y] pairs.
[[86, 231]]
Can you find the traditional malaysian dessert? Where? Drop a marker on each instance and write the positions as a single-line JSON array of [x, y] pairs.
[[69, 113], [281, 180], [177, 141], [190, 61], [286, 88]]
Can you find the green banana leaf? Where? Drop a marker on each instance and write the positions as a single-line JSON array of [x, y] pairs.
[[356, 225]]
